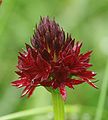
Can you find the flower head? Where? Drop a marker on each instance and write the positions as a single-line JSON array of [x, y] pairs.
[[54, 60]]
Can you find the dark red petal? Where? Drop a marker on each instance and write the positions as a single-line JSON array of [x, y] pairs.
[[47, 83], [77, 48], [31, 91], [85, 57], [90, 83], [20, 83], [69, 43], [68, 60], [44, 67], [87, 74], [75, 71], [22, 55], [19, 72], [28, 46], [63, 92], [69, 84], [26, 90], [76, 82], [46, 55], [86, 65], [55, 84]]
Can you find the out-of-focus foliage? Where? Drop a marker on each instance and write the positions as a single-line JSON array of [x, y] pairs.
[[85, 20]]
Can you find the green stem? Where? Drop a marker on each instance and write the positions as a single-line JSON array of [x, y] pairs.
[[58, 106], [102, 96]]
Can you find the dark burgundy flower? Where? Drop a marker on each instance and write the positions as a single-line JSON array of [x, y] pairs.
[[54, 61]]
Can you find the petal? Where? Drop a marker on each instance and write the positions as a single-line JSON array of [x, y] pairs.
[[90, 83], [55, 84], [76, 82], [77, 48], [69, 43], [46, 83], [71, 82], [26, 90], [20, 83], [46, 55], [87, 74], [63, 92], [68, 60], [19, 72], [31, 91], [85, 57]]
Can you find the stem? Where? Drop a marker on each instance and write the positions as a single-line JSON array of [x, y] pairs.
[[102, 96], [58, 106]]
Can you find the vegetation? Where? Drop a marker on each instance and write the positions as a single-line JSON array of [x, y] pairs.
[[85, 20]]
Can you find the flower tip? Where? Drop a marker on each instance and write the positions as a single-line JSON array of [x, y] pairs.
[[97, 87], [27, 46], [24, 93], [92, 84], [90, 52], [12, 83], [45, 18], [94, 73]]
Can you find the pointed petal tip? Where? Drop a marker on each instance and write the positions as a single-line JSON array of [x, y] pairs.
[[24, 92], [28, 96], [14, 83], [27, 46], [92, 84]]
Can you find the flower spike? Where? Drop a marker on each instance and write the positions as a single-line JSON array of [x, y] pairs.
[[53, 60]]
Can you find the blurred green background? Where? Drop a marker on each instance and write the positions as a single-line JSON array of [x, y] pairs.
[[86, 20]]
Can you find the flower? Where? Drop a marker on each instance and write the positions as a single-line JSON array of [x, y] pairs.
[[54, 61]]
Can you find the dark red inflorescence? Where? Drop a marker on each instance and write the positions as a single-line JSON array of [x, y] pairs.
[[54, 60]]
